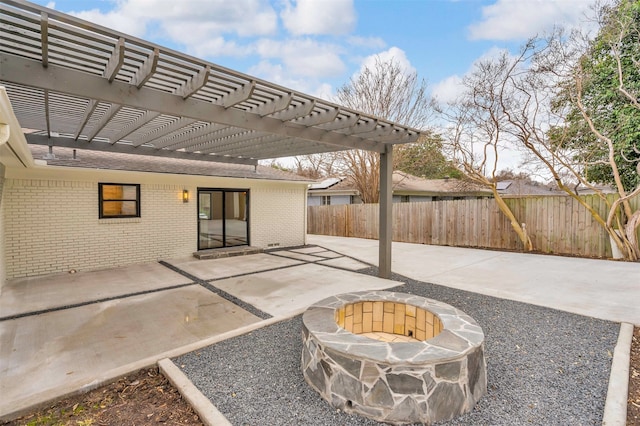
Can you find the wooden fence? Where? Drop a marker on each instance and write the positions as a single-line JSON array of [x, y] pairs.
[[557, 224]]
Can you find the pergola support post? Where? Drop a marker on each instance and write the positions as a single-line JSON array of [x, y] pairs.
[[386, 212]]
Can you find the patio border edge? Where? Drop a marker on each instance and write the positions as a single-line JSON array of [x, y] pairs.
[[615, 406], [208, 412]]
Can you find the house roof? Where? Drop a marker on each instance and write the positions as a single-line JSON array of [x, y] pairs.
[[88, 159], [407, 184], [522, 187], [80, 85], [517, 187], [326, 183]]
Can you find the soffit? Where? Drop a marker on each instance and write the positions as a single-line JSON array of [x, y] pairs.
[[80, 85]]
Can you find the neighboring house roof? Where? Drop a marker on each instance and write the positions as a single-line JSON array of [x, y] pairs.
[[520, 187], [406, 184], [325, 184], [88, 159]]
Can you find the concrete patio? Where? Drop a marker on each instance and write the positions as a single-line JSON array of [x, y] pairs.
[[61, 334]]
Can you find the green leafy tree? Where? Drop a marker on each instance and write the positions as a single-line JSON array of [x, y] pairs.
[[603, 99], [601, 102]]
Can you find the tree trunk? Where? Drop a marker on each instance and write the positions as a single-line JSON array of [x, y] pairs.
[[515, 224]]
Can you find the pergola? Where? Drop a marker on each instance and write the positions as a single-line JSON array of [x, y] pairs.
[[80, 85]]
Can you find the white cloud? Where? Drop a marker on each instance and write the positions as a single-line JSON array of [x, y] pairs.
[[116, 20], [200, 26], [192, 20], [218, 46], [334, 17], [304, 57], [394, 54], [278, 74], [448, 90], [367, 42], [521, 19]]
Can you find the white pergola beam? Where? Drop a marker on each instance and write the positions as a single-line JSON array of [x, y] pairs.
[[255, 143], [46, 112], [195, 83], [272, 107], [145, 118], [196, 144], [239, 95], [146, 70], [362, 128], [23, 71], [115, 62], [104, 120], [88, 112], [130, 149], [342, 123], [164, 130], [44, 38], [319, 118], [171, 141], [296, 112]]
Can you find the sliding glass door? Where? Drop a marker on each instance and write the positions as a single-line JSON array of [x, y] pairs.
[[223, 218]]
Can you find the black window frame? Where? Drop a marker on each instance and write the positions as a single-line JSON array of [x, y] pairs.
[[101, 200]]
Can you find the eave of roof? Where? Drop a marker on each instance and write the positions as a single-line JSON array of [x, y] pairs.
[[96, 160]]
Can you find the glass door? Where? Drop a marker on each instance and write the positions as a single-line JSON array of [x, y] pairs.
[[222, 218]]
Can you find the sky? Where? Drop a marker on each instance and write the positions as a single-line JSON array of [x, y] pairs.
[[316, 46]]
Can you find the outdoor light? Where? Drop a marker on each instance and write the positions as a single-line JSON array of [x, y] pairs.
[[185, 195]]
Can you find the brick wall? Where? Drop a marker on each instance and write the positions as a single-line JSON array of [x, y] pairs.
[[53, 226], [278, 216], [3, 269]]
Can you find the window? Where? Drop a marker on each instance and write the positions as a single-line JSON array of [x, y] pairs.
[[326, 200], [405, 198], [119, 200]]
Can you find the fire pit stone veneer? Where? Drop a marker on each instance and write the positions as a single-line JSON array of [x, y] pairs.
[[436, 371]]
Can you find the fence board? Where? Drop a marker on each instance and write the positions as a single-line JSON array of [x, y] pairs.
[[555, 224]]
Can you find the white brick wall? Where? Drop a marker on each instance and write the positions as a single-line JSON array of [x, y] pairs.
[[3, 269], [277, 216], [53, 226]]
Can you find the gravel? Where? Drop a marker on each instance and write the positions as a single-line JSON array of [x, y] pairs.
[[545, 367]]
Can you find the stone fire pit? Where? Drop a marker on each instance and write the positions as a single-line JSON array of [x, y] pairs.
[[394, 357]]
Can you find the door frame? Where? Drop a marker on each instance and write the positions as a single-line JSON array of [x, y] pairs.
[[224, 231]]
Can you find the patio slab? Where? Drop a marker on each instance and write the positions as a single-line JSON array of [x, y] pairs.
[[604, 289], [345, 263], [297, 255], [290, 291], [46, 292], [48, 355], [228, 267]]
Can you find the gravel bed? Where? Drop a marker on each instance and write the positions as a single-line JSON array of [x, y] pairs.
[[544, 367]]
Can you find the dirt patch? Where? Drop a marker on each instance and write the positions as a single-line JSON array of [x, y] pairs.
[[142, 398], [633, 406]]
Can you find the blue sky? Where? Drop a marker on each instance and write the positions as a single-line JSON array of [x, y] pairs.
[[315, 46]]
